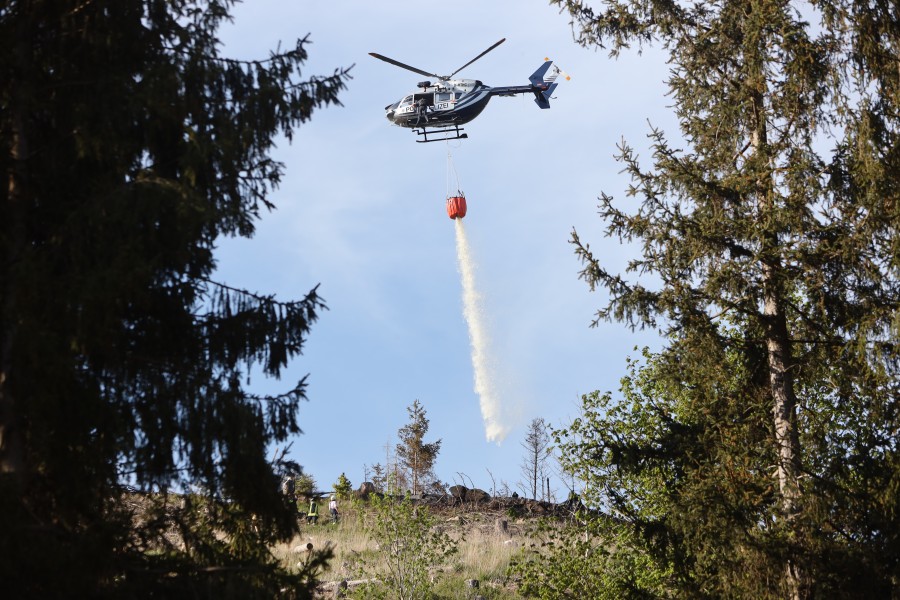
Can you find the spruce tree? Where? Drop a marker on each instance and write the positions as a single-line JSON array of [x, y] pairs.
[[129, 146], [415, 455], [769, 235]]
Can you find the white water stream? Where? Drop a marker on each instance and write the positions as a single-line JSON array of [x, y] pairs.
[[482, 363]]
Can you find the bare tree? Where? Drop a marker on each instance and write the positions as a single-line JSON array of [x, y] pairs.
[[534, 462], [493, 483], [462, 480]]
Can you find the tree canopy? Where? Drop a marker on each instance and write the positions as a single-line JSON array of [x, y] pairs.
[[757, 454], [129, 147]]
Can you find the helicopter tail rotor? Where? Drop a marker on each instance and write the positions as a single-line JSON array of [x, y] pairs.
[[544, 83]]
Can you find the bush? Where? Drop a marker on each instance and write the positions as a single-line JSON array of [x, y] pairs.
[[410, 545]]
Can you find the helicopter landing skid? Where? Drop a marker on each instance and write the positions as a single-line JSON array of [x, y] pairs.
[[447, 133]]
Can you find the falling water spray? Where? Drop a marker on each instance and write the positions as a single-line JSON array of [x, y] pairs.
[[491, 408]]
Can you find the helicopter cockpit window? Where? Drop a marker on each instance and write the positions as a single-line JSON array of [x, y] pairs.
[[405, 101], [459, 94]]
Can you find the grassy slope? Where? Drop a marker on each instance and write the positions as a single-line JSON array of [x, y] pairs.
[[485, 550]]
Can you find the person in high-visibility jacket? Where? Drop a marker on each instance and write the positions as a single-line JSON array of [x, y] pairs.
[[312, 515]]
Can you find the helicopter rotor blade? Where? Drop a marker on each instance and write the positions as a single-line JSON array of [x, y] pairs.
[[397, 63], [474, 59]]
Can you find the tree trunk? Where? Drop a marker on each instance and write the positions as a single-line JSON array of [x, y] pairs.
[[415, 471], [774, 319], [784, 415], [12, 450], [778, 347]]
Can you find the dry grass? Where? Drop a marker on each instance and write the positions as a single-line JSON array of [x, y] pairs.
[[485, 555], [484, 549]]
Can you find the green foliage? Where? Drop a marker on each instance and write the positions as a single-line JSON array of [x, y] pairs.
[[379, 478], [677, 476], [129, 146], [343, 488], [304, 485], [410, 546], [589, 557], [753, 455]]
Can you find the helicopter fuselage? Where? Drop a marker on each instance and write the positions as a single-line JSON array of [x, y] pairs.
[[452, 102]]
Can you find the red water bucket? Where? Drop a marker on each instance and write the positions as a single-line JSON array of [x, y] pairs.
[[456, 207]]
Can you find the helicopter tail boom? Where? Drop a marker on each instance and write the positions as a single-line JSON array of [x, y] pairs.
[[543, 83]]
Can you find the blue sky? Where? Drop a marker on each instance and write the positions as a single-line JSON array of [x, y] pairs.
[[361, 212]]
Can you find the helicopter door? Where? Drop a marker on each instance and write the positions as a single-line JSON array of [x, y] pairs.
[[427, 98]]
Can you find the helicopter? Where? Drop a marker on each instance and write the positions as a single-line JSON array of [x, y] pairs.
[[438, 109]]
